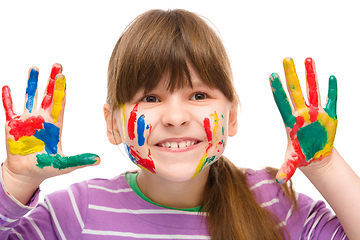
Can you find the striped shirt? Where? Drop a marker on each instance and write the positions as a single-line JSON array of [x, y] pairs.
[[110, 209]]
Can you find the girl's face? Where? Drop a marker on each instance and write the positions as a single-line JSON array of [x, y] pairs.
[[176, 135]]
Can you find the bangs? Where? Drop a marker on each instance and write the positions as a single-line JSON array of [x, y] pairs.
[[166, 43]]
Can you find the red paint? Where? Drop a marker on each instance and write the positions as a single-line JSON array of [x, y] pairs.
[[19, 128], [299, 156], [312, 86], [46, 103], [131, 122], [7, 102], [299, 123], [146, 163], [207, 129]]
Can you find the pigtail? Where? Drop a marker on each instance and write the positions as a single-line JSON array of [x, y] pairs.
[[231, 210]]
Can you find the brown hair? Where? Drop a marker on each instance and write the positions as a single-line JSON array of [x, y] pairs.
[[166, 42]]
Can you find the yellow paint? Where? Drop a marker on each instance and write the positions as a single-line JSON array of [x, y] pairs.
[[123, 108], [216, 126], [25, 145], [200, 165], [58, 98], [295, 89]]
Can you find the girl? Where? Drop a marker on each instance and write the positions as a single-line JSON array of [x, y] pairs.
[[172, 104]]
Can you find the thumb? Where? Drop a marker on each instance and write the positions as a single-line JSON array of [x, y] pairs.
[[287, 170], [62, 162]]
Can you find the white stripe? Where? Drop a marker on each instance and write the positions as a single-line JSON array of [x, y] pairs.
[[308, 218], [53, 215], [17, 234], [143, 236], [335, 233], [4, 228], [269, 203], [316, 223], [110, 190], [283, 223], [75, 207], [6, 219], [141, 211], [36, 228], [44, 205], [344, 236], [331, 217], [267, 181]]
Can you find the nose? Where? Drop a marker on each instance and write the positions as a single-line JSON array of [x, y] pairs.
[[176, 114]]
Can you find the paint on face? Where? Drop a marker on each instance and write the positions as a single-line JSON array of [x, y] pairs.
[[145, 163], [207, 129], [216, 125], [59, 162], [19, 128], [140, 130], [25, 145], [48, 98], [7, 102], [50, 136], [31, 89], [123, 108], [131, 122], [58, 98]]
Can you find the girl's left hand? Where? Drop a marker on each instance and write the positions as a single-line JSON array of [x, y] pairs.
[[310, 128]]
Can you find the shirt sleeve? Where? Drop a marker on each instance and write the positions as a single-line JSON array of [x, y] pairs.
[[55, 218], [310, 220]]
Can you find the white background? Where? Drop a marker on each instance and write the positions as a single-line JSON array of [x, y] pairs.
[[257, 34]]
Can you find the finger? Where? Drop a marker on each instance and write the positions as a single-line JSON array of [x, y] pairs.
[[58, 97], [312, 89], [282, 101], [8, 103], [332, 98], [62, 162], [49, 92], [293, 84], [31, 89]]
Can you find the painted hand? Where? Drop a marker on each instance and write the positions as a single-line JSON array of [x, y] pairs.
[[310, 128], [34, 137]]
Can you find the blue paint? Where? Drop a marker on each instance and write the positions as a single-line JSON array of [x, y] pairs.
[[141, 129], [31, 89], [50, 136], [147, 127], [127, 149]]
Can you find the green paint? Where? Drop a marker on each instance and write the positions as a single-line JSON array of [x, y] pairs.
[[59, 162], [209, 160], [332, 98], [282, 101], [222, 116], [312, 138], [223, 130]]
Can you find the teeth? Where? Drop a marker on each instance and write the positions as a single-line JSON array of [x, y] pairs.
[[177, 145]]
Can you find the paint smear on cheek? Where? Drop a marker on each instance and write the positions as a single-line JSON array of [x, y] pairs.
[[207, 129], [140, 130], [123, 108], [19, 128], [145, 163], [131, 122]]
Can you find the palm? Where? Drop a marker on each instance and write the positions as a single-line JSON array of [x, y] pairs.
[[35, 135], [311, 129]]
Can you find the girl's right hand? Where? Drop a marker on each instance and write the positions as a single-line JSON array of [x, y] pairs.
[[33, 139]]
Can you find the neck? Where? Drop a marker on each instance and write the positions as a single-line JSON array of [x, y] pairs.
[[181, 195]]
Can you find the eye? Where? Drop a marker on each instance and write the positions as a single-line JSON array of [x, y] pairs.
[[199, 96], [150, 99]]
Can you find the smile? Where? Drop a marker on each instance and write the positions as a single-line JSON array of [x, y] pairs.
[[174, 145]]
